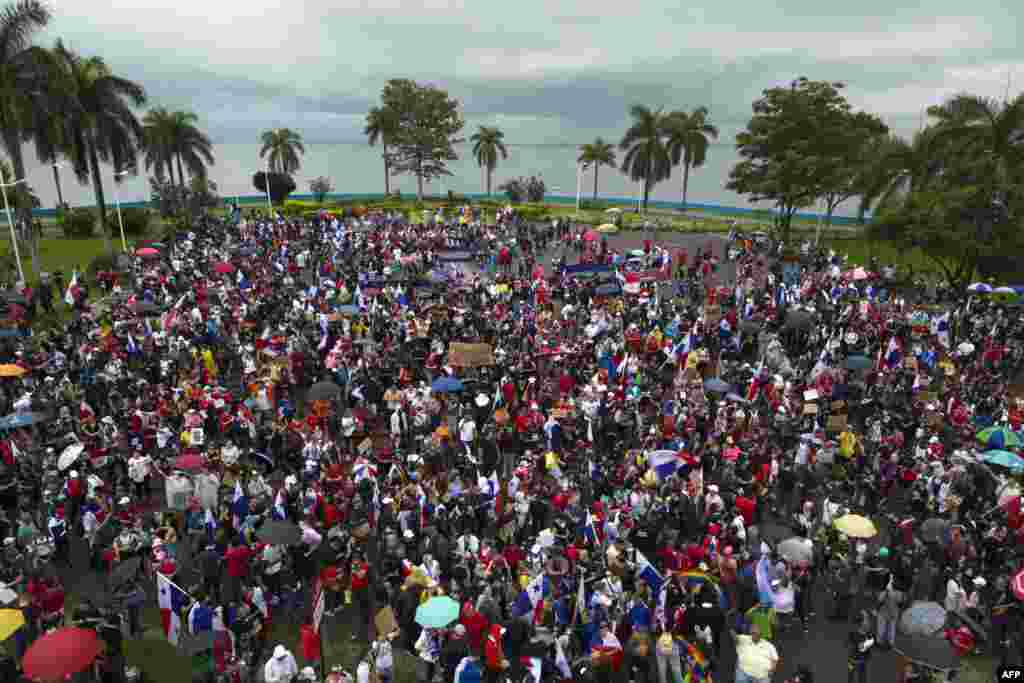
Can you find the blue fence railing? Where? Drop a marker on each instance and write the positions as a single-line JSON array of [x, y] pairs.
[[717, 209]]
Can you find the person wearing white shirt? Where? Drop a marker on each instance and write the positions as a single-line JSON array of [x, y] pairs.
[[281, 668], [756, 658]]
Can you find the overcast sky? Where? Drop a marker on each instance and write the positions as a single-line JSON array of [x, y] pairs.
[[546, 72]]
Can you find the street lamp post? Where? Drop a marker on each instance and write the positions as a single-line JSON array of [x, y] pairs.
[[10, 222], [270, 206], [117, 203]]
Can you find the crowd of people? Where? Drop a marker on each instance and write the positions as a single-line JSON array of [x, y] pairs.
[[513, 452]]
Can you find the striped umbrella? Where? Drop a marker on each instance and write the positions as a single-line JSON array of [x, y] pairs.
[[1017, 584]]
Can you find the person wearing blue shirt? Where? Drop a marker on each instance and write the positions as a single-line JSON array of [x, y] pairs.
[[469, 670]]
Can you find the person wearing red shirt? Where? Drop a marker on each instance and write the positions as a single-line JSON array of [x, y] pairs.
[[237, 557], [476, 625], [746, 507], [360, 584], [494, 653]]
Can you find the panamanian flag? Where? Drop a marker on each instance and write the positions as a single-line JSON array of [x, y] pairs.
[[171, 601]]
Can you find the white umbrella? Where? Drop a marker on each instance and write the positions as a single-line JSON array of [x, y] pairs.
[[613, 210], [69, 456], [1003, 290], [965, 348]]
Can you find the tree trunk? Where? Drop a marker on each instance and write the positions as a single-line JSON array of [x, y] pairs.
[[488, 181], [22, 216], [181, 174], [97, 184], [387, 173], [686, 181], [596, 166], [419, 180], [647, 184], [56, 181]]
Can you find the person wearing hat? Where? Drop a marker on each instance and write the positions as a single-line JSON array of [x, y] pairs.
[[281, 667]]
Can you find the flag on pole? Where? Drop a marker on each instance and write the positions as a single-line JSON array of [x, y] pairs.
[[645, 571], [72, 290], [171, 600], [210, 523], [239, 505]]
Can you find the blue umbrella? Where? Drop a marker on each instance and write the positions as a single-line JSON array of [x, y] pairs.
[[20, 420], [437, 612], [1003, 459], [446, 385], [979, 288], [608, 290], [858, 363], [717, 386], [348, 310]]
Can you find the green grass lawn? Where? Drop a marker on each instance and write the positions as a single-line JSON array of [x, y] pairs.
[[57, 253], [162, 663]]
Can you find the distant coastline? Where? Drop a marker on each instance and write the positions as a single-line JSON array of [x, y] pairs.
[[257, 200]]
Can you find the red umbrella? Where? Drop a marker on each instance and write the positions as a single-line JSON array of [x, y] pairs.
[[189, 463], [60, 654], [224, 267], [590, 235], [1017, 584]]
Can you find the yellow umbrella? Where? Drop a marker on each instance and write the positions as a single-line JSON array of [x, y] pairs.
[[11, 370], [10, 621], [608, 228], [856, 526]]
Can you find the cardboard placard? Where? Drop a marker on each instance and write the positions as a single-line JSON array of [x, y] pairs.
[[811, 395], [910, 363], [462, 355], [838, 406], [935, 419], [365, 445], [385, 622], [836, 423], [712, 312], [810, 409]]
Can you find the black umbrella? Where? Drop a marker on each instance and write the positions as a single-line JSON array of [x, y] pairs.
[[934, 529], [799, 320], [125, 571], [933, 652], [278, 532], [144, 308], [323, 391]]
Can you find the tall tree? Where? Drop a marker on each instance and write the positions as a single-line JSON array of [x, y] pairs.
[[792, 143], [689, 136], [25, 88], [897, 168], [428, 123], [488, 145], [381, 126], [173, 138], [285, 147], [597, 154], [647, 159], [103, 122], [979, 125]]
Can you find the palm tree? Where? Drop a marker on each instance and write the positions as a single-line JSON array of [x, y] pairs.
[[25, 86], [899, 168], [381, 125], [597, 153], [647, 159], [688, 140], [285, 147], [103, 123], [487, 145], [984, 127], [173, 137]]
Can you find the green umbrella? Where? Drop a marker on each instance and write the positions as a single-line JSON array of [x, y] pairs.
[[999, 438], [437, 612]]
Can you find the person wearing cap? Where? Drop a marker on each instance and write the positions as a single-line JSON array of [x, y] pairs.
[[281, 667]]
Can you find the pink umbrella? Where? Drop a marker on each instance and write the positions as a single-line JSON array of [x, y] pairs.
[[189, 463], [590, 235], [147, 251], [224, 267], [1017, 584], [538, 272]]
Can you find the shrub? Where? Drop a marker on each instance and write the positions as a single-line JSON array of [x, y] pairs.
[[518, 190], [320, 187], [77, 223], [136, 221], [281, 185]]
